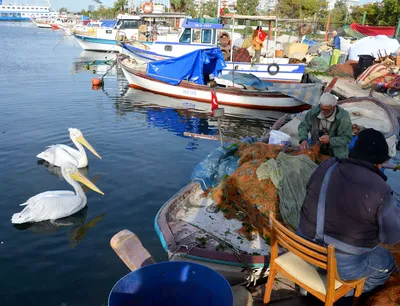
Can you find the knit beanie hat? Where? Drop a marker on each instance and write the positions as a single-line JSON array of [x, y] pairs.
[[327, 99], [371, 146]]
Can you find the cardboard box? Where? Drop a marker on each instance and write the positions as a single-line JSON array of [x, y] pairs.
[[290, 48]]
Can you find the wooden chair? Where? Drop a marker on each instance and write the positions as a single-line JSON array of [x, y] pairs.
[[300, 264]]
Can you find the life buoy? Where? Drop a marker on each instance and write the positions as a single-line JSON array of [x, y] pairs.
[[304, 29], [274, 71], [177, 23], [147, 7]]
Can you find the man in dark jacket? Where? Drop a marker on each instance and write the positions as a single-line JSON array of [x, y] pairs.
[[329, 126], [360, 211]]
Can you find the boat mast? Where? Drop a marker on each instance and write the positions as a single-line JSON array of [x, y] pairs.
[[218, 8]]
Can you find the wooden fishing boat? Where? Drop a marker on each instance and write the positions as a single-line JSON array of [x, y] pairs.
[[228, 93], [191, 229]]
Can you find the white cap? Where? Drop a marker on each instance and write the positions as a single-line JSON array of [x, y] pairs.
[[327, 99]]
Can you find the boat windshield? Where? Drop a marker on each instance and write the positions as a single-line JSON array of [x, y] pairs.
[[185, 37], [127, 24]]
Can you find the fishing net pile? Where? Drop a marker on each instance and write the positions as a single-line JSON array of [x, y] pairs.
[[265, 180]]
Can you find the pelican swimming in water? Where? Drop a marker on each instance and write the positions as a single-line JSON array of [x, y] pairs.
[[60, 154], [53, 205]]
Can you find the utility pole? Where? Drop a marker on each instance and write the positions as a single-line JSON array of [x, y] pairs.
[[364, 17]]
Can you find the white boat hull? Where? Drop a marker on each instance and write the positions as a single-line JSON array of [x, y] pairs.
[[231, 97], [43, 25], [94, 44]]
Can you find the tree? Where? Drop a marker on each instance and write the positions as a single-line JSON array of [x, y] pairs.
[[63, 9], [357, 13], [247, 7], [390, 12], [338, 13], [120, 5], [300, 8], [184, 6], [210, 8]]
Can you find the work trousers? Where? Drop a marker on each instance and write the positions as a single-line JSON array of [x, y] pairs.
[[375, 265]]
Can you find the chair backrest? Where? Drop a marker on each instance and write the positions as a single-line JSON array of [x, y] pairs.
[[311, 252]]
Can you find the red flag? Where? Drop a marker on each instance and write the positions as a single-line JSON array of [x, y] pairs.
[[214, 102], [262, 35]]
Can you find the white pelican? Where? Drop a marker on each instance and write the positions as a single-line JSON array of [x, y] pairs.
[[60, 154], [53, 205]]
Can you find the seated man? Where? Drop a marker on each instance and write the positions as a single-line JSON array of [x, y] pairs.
[[329, 125], [360, 211]]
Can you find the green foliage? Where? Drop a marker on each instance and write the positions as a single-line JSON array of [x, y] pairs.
[[390, 12], [210, 8], [184, 6], [300, 8], [63, 9], [120, 5], [338, 14], [386, 12], [247, 7]]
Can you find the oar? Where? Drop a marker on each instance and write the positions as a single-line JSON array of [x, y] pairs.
[[131, 251], [331, 85], [209, 137]]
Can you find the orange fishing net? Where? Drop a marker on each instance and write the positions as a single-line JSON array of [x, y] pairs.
[[244, 197]]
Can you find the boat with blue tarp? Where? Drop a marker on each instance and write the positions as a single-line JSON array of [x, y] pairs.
[[187, 77], [203, 33]]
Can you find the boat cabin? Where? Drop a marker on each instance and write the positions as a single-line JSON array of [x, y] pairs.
[[196, 34], [196, 31], [126, 26]]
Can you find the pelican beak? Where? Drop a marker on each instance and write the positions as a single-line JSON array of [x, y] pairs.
[[83, 141], [77, 176]]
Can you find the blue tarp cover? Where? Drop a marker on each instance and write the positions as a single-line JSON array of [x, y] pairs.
[[192, 67], [108, 23], [246, 79]]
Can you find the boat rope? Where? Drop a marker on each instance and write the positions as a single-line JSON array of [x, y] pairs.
[[108, 70], [65, 36]]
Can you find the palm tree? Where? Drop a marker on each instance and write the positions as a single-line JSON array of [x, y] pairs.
[[120, 5]]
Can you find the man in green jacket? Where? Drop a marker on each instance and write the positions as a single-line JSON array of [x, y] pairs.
[[329, 126]]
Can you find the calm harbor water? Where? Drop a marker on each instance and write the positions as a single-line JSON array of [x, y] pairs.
[[145, 161]]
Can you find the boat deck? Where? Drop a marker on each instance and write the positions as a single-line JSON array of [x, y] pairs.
[[199, 220], [346, 88]]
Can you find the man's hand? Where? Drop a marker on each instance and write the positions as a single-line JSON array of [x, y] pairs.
[[304, 145], [324, 139]]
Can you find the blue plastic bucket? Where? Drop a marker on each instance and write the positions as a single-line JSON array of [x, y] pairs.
[[172, 283]]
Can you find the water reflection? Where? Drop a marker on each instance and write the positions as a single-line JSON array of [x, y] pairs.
[[76, 222], [95, 62], [57, 172], [175, 115], [181, 116]]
